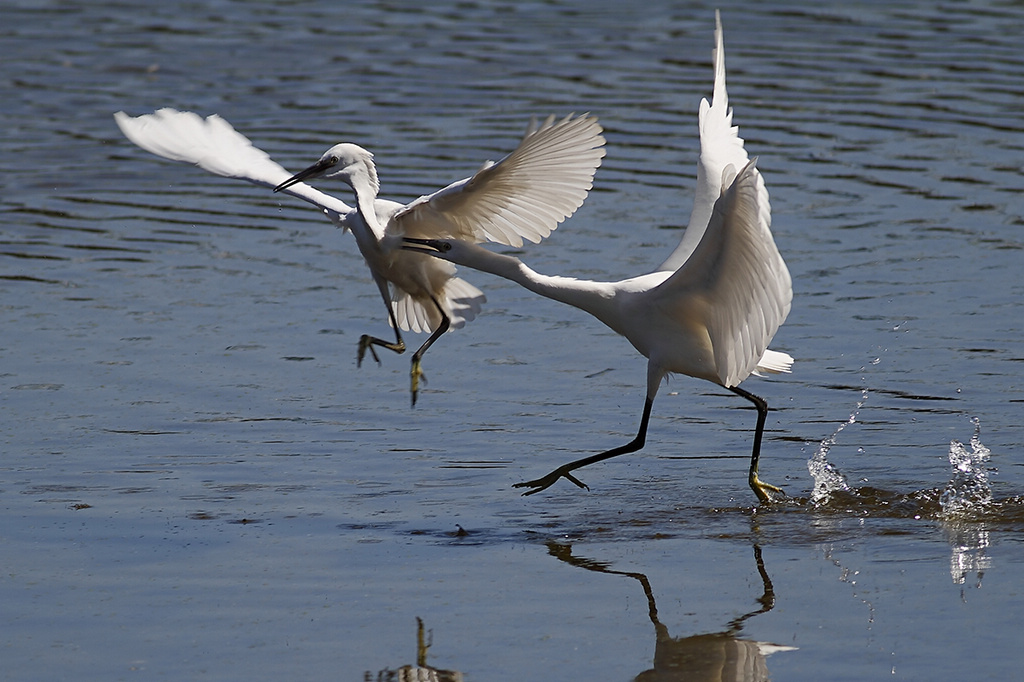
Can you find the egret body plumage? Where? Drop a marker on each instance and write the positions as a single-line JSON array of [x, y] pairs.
[[523, 196], [709, 311]]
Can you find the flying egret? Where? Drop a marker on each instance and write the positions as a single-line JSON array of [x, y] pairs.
[[523, 196], [709, 311]]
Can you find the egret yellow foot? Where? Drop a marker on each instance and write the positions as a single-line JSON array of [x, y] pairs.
[[545, 482], [762, 489], [367, 342], [416, 375]]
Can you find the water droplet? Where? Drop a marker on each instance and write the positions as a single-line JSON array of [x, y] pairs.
[[828, 479], [968, 489]]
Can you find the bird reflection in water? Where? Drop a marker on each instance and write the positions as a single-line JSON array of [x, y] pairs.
[[717, 656], [421, 672]]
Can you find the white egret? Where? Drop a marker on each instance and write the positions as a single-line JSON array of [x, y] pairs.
[[523, 196], [709, 311]]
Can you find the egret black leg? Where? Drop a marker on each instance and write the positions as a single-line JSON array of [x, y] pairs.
[[564, 471], [760, 488], [367, 342]]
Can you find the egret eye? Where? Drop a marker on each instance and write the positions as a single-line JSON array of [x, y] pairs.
[[333, 160]]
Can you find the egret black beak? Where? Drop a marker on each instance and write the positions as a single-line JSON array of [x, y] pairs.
[[430, 247], [313, 171]]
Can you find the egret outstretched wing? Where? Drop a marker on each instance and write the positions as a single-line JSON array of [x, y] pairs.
[[720, 146], [523, 196], [215, 146], [738, 273]]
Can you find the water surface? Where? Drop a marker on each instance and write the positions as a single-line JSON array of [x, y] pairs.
[[198, 482]]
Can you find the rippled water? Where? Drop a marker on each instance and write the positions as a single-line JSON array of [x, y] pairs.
[[197, 481]]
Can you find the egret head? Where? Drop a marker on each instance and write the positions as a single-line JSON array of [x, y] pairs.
[[346, 161], [432, 247], [451, 250]]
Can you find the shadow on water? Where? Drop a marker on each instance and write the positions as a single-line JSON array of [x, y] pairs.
[[421, 672], [722, 656], [963, 513]]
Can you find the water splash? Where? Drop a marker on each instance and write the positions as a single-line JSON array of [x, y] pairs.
[[966, 496], [968, 553], [968, 490], [828, 479], [850, 576]]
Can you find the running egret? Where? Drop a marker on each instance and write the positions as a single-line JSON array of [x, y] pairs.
[[709, 311], [523, 196]]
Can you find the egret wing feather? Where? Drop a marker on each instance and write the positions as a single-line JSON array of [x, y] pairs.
[[412, 315], [720, 146], [462, 300], [737, 271], [216, 147], [523, 196], [465, 300], [774, 362]]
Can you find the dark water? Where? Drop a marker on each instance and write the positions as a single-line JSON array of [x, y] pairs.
[[197, 482]]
